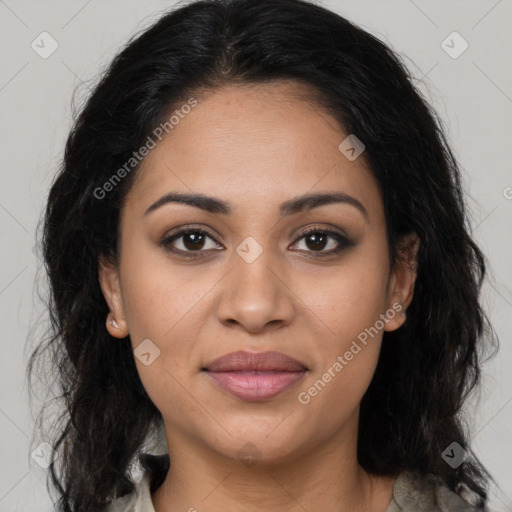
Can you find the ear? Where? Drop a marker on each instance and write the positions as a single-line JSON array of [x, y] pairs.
[[108, 276], [402, 279]]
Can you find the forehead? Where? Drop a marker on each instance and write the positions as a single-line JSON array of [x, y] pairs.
[[253, 144]]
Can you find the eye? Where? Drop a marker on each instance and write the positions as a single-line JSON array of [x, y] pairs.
[[190, 240], [317, 239]]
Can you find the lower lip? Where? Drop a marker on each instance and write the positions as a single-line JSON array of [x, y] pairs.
[[255, 386]]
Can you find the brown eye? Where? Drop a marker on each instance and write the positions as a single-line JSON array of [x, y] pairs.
[[190, 240], [324, 241], [193, 241], [316, 241]]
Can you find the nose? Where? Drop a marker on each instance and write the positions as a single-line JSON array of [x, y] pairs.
[[256, 295]]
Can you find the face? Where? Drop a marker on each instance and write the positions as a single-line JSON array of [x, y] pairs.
[[264, 270]]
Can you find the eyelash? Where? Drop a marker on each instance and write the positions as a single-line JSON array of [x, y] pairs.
[[342, 240]]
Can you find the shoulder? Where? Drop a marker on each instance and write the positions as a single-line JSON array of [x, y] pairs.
[[414, 492], [137, 501]]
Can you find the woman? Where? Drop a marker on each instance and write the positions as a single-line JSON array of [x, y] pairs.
[[257, 245]]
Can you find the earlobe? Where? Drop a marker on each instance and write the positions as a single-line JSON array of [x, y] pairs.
[[403, 278], [395, 314], [108, 277]]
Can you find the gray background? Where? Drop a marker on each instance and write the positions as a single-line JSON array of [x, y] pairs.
[[472, 93]]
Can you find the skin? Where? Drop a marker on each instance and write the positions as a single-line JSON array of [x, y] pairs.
[[256, 147]]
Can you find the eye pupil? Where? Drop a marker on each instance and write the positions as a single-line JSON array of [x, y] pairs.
[[193, 240], [318, 241]]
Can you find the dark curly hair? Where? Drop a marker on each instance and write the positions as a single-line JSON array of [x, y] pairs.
[[413, 408]]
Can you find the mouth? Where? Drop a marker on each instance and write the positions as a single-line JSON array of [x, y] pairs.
[[255, 376]]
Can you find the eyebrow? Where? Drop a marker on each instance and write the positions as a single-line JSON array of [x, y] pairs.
[[295, 205]]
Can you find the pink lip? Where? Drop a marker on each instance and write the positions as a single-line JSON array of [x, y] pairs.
[[255, 386], [255, 376]]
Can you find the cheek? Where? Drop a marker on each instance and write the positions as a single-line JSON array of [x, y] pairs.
[[162, 307], [350, 302], [350, 297], [157, 295], [166, 304], [333, 395]]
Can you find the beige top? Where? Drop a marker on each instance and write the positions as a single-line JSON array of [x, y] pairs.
[[411, 493]]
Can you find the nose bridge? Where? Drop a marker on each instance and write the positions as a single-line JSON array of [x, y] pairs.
[[253, 294]]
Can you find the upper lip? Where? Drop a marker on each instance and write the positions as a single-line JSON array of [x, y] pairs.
[[260, 361]]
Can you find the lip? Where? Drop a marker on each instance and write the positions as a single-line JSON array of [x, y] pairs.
[[255, 376], [245, 361]]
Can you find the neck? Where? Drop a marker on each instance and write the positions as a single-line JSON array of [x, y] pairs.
[[327, 478]]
